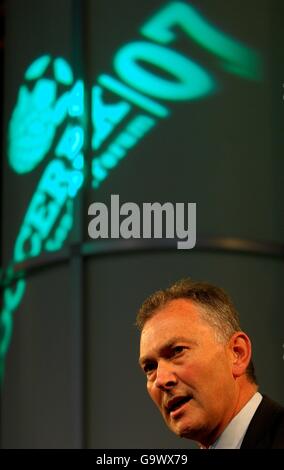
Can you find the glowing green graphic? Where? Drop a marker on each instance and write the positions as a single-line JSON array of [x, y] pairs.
[[62, 71], [60, 232], [76, 100], [43, 104], [47, 124], [12, 299], [32, 126], [6, 328], [138, 86], [105, 116], [38, 113], [37, 68], [133, 96], [236, 57], [190, 80], [117, 150]]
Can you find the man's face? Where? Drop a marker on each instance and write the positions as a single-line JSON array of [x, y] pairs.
[[189, 372]]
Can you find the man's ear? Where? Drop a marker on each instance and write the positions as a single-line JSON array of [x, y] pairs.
[[240, 347]]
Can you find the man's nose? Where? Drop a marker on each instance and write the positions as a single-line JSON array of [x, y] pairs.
[[165, 376]]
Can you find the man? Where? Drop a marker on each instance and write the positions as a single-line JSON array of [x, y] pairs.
[[199, 371]]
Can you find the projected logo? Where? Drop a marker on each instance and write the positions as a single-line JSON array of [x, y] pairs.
[[46, 129]]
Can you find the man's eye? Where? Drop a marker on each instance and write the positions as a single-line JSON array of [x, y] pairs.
[[178, 349], [149, 368]]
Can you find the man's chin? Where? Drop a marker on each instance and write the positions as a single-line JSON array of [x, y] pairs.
[[185, 430], [187, 433], [180, 429]]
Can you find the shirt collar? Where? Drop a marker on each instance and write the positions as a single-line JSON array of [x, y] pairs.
[[233, 435]]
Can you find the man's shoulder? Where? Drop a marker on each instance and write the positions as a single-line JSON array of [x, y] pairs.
[[270, 406], [266, 429]]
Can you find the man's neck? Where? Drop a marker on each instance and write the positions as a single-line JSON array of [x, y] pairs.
[[246, 391]]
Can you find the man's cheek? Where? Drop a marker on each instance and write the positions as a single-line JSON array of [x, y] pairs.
[[151, 392]]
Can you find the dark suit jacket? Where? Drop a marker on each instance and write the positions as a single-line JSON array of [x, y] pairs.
[[266, 429]]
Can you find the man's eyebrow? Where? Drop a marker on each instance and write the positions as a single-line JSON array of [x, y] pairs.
[[166, 346]]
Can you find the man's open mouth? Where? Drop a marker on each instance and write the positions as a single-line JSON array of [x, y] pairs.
[[175, 403]]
